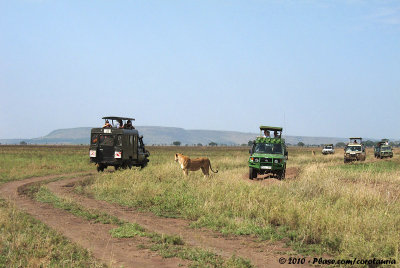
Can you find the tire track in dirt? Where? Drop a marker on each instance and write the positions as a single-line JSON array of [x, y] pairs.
[[261, 254], [93, 236]]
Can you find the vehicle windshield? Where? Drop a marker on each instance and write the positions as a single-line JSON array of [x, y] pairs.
[[328, 147], [267, 148], [354, 148], [386, 148], [106, 140]]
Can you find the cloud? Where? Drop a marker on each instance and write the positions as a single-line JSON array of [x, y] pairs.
[[386, 15]]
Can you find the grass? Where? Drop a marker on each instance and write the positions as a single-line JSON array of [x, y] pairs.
[[173, 246], [45, 196], [24, 241], [166, 245], [20, 162], [330, 208]]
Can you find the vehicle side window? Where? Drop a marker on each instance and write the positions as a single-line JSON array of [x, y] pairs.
[[119, 140], [95, 139], [130, 140], [106, 140]]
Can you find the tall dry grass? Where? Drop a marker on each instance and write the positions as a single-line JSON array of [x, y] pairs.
[[346, 211]]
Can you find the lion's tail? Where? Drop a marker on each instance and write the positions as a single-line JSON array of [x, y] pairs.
[[212, 169]]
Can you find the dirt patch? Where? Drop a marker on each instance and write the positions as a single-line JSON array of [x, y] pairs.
[[291, 173]]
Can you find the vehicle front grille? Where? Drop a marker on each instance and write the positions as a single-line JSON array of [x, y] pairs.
[[266, 160]]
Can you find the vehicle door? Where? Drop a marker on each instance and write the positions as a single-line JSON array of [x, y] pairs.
[[106, 147]]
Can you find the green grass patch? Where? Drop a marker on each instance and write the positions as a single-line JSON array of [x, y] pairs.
[[371, 167], [128, 230], [20, 162], [26, 242], [45, 196], [169, 246]]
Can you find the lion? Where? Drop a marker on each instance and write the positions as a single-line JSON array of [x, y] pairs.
[[194, 164]]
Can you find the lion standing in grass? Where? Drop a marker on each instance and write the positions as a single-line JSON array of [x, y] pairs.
[[187, 164]]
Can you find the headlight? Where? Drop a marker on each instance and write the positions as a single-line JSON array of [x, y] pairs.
[[276, 161], [254, 159]]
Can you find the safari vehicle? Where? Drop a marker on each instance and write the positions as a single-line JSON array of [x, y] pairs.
[[268, 154], [354, 150], [382, 149], [118, 147], [328, 149]]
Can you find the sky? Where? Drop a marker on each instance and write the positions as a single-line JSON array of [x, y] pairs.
[[316, 68]]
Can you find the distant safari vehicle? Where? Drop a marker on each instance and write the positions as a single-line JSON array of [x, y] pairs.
[[121, 147], [382, 149], [328, 149], [268, 154], [354, 150]]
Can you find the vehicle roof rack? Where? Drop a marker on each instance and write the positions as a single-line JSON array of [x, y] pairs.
[[270, 128], [118, 118]]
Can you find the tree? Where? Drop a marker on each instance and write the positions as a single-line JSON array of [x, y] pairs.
[[301, 144], [369, 143], [23, 143], [340, 144], [212, 144], [199, 144], [176, 143]]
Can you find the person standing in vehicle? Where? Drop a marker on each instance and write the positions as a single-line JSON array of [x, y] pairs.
[[129, 125], [107, 124], [120, 124], [267, 134]]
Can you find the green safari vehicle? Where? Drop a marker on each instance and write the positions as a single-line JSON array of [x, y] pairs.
[[268, 154], [382, 149]]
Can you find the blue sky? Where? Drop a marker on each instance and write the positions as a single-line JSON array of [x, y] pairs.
[[318, 68]]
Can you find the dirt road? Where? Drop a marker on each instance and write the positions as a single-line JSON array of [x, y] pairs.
[[125, 252]]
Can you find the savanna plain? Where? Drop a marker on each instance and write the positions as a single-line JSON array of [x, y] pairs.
[[323, 208]]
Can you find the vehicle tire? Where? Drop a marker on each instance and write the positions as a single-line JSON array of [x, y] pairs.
[[100, 168], [252, 173], [143, 165], [282, 174], [116, 167]]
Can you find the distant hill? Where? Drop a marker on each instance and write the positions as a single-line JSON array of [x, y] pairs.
[[166, 135]]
